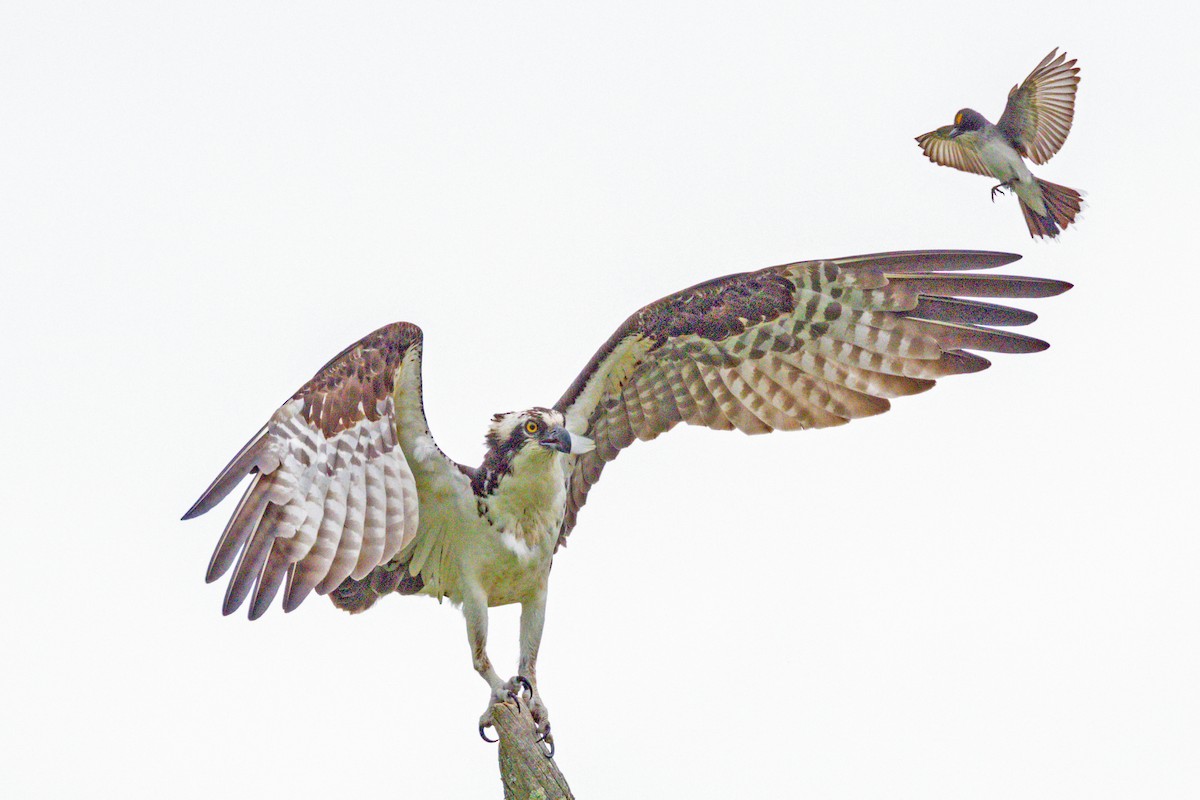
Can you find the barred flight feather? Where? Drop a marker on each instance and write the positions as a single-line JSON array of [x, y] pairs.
[[905, 261], [251, 561], [706, 405], [1010, 286], [954, 310], [349, 537], [237, 531], [314, 505], [973, 337]]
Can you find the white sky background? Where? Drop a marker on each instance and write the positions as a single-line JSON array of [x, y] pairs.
[[989, 592]]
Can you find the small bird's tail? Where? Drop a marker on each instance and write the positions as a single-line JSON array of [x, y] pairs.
[[1062, 204]]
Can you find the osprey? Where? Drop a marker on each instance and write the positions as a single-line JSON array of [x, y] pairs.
[[1035, 123], [351, 496]]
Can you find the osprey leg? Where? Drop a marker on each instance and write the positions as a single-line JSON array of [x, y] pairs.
[[475, 610], [533, 617]]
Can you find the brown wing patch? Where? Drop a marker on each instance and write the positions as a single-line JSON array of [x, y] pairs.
[[349, 388], [719, 308]]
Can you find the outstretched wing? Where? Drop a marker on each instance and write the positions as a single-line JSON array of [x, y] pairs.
[[1038, 115], [804, 345], [960, 152], [332, 494]]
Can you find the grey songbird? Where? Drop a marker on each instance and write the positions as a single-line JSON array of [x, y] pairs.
[[1035, 123]]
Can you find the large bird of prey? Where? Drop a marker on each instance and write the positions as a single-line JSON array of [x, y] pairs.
[[351, 497], [1035, 123]]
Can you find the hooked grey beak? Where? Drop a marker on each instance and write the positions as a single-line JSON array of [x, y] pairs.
[[560, 439], [955, 132]]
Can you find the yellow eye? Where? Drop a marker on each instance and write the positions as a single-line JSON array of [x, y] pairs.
[[532, 427], [958, 119]]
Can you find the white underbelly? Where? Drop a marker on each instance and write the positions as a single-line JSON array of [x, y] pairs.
[[508, 568], [460, 554], [1004, 163], [1008, 167]]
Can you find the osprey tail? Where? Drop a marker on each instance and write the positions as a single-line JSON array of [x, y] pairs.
[[1062, 204], [355, 596]]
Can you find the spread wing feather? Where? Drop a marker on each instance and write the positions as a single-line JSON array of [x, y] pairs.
[[1038, 115], [332, 495], [806, 345], [960, 152]]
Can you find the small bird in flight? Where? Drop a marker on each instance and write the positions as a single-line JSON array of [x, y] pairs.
[[1035, 123], [351, 497]]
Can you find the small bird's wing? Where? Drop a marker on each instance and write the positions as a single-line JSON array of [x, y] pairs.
[[804, 345], [332, 495], [1038, 116], [960, 152]]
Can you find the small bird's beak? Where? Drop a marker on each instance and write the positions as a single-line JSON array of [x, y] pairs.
[[562, 440], [955, 132]]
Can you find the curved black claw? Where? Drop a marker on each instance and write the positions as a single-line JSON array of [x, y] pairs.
[[546, 744], [525, 684], [483, 736], [998, 189]]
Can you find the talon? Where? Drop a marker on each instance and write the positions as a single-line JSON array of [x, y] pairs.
[[525, 684], [483, 736], [546, 745]]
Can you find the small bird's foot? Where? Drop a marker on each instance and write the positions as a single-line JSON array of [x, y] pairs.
[[999, 188], [506, 693]]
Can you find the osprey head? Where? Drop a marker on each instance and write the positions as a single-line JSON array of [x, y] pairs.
[[966, 120], [539, 428], [526, 443]]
